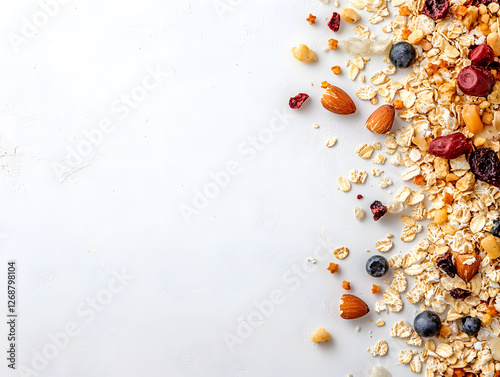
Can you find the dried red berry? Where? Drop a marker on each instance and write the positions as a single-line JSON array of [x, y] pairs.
[[482, 55], [484, 2], [436, 9], [485, 165], [297, 101], [459, 293], [445, 263], [334, 22], [475, 81], [378, 210], [359, 196], [450, 146]]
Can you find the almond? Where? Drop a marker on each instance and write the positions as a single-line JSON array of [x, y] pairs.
[[467, 265], [381, 120], [352, 307], [337, 101]]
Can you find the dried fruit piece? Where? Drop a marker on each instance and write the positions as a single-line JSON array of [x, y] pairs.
[[445, 263], [475, 81], [450, 146], [337, 101], [334, 22], [333, 267], [495, 230], [472, 118], [346, 285], [459, 293], [297, 101], [311, 19], [482, 55], [352, 307], [467, 265], [378, 209], [485, 165], [436, 9], [381, 119]]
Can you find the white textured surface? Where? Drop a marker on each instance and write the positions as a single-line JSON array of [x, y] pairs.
[[119, 208]]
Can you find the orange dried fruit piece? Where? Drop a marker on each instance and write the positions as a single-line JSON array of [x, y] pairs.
[[333, 267], [346, 285], [311, 19]]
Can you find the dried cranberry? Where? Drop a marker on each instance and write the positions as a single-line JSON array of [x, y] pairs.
[[450, 146], [459, 293], [445, 263], [359, 196], [378, 210], [482, 55], [485, 165], [475, 81], [484, 2], [297, 101], [334, 22], [436, 9]]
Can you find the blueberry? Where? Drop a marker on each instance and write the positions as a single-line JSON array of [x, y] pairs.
[[496, 228], [402, 54], [427, 323], [377, 266], [471, 325]]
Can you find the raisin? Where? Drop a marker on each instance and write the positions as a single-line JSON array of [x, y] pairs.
[[334, 22], [450, 146], [445, 263], [482, 55], [485, 165], [495, 230], [459, 293], [297, 101], [436, 9], [378, 210], [475, 81]]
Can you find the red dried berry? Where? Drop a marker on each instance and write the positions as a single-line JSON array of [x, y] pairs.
[[334, 22], [445, 263], [436, 9], [484, 2], [482, 55], [485, 165], [459, 293], [450, 146], [297, 101], [475, 81], [359, 196], [378, 210]]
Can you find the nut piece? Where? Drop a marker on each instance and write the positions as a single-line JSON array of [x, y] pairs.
[[467, 265], [321, 336], [493, 40], [381, 120], [352, 307], [350, 15], [337, 101], [491, 246], [304, 54]]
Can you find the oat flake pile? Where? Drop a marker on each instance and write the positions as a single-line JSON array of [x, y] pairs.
[[449, 150]]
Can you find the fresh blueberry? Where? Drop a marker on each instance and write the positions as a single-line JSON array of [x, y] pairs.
[[496, 228], [402, 54], [471, 325], [377, 266], [427, 323]]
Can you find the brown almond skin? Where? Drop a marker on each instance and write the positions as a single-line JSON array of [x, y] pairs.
[[337, 101], [381, 120], [467, 271], [352, 307]]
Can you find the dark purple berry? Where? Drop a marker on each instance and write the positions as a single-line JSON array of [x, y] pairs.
[[485, 165], [495, 230], [377, 266], [402, 54], [459, 293], [445, 263], [427, 323], [378, 209], [436, 9], [471, 325]]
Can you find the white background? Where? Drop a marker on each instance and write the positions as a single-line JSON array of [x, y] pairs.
[[227, 72]]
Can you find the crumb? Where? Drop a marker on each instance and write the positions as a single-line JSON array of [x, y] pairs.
[[311, 19], [312, 260], [346, 285], [375, 289], [315, 125], [333, 267], [379, 323], [321, 335], [331, 142]]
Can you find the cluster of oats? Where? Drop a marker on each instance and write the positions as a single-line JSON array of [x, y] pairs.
[[431, 103]]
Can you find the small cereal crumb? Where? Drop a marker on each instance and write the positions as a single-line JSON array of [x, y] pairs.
[[359, 213], [321, 336], [333, 267], [331, 142], [315, 125], [379, 323], [311, 19], [384, 182], [344, 184], [356, 176], [390, 235], [332, 44], [341, 252], [376, 172], [379, 349], [377, 145], [312, 260], [346, 285], [379, 159], [387, 281], [337, 70], [375, 289]]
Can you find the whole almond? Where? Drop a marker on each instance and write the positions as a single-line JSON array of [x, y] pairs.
[[352, 307], [381, 119], [467, 265], [337, 101]]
